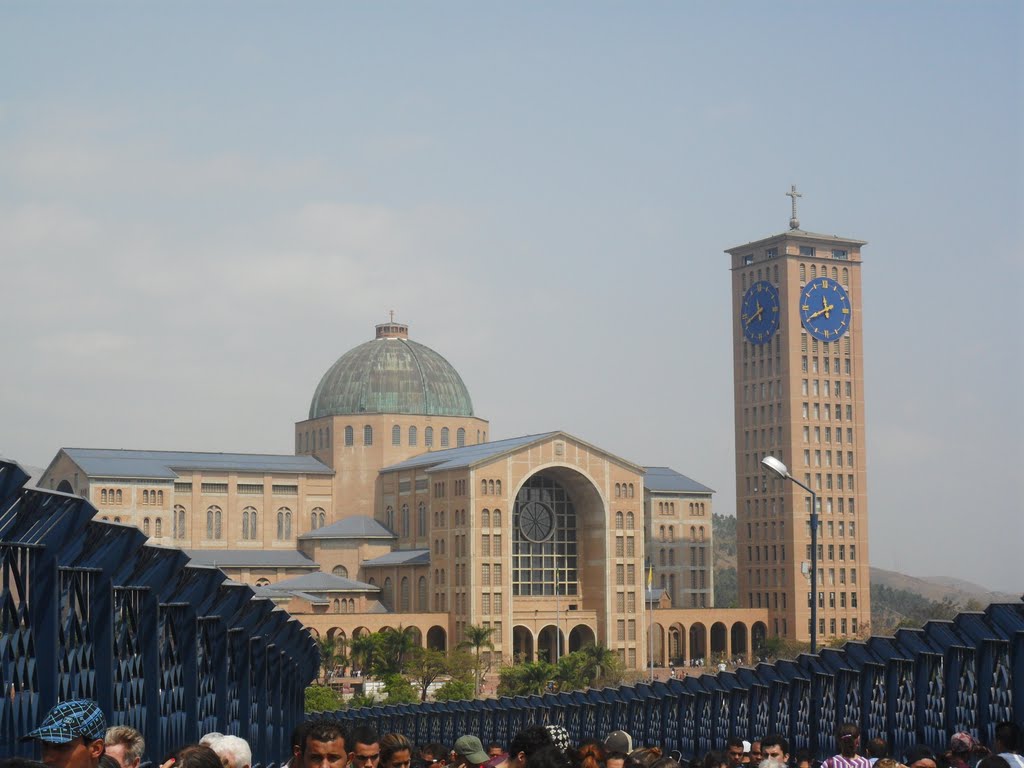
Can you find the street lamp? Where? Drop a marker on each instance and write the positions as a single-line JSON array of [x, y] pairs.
[[782, 471]]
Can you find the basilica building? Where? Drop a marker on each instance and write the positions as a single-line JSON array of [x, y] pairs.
[[397, 509]]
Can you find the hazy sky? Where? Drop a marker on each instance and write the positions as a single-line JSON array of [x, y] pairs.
[[203, 205]]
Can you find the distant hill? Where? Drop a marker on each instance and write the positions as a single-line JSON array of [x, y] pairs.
[[896, 598]]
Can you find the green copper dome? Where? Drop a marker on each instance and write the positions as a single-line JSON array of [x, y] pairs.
[[391, 374]]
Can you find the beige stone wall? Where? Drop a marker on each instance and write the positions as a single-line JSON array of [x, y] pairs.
[[772, 514], [356, 465], [681, 547]]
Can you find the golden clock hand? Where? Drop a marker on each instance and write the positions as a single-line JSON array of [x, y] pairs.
[[756, 315], [823, 311]]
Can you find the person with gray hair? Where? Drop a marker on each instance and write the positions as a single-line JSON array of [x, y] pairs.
[[234, 752], [125, 745]]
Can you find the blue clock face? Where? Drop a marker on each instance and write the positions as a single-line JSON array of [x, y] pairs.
[[759, 312], [825, 309]]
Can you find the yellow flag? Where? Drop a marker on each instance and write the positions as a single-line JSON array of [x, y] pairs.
[[650, 575]]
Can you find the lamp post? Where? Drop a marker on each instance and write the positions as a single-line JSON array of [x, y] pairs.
[[782, 471]]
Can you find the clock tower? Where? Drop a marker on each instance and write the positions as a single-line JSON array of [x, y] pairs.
[[798, 367]]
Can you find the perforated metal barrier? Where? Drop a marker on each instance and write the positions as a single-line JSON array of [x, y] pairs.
[[88, 610]]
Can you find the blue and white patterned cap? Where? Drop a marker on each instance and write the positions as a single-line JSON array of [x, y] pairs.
[[559, 737], [70, 720]]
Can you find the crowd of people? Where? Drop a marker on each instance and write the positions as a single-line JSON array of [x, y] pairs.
[[74, 734]]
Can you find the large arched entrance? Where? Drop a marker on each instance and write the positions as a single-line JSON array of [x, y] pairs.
[[657, 640], [437, 639], [550, 644], [698, 642], [758, 637], [581, 636], [739, 639], [677, 644], [522, 644], [719, 641]]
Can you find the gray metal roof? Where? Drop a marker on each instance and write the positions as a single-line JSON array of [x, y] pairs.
[[798, 234], [108, 462], [400, 557], [262, 558], [323, 582], [376, 606], [458, 458], [356, 527], [283, 594], [666, 479]]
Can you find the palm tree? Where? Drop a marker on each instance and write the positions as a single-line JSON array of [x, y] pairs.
[[477, 638], [328, 656], [394, 646], [362, 649], [601, 662]]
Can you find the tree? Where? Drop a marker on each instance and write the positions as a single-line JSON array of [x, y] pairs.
[[363, 649], [424, 666], [320, 698], [478, 638], [603, 665], [455, 690], [525, 679], [399, 690], [333, 652], [391, 648]]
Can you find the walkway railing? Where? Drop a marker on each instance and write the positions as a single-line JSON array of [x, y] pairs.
[[170, 648], [918, 687]]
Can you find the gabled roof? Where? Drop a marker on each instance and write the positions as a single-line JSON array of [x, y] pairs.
[[400, 557], [666, 479], [323, 582], [263, 558], [283, 594], [161, 465], [482, 453], [357, 527]]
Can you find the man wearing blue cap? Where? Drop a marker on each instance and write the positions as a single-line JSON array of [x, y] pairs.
[[71, 735]]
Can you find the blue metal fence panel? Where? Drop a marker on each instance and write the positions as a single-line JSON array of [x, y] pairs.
[[160, 644]]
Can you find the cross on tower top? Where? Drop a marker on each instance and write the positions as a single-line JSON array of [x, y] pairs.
[[391, 312], [794, 222]]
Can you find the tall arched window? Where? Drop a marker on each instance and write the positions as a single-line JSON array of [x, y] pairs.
[[444, 437], [145, 526], [350, 436], [389, 518], [159, 497], [460, 438], [630, 521], [312, 521], [405, 597], [158, 527], [496, 518], [396, 435], [388, 594], [405, 520], [702, 533], [119, 496], [428, 437], [421, 594], [103, 496], [413, 436], [671, 533], [284, 523], [421, 522], [618, 521], [693, 533], [485, 518], [145, 497], [498, 487], [321, 517], [367, 435], [216, 523], [483, 488], [179, 521], [209, 522]]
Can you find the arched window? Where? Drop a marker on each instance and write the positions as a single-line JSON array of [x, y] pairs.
[[158, 527], [421, 594], [631, 490], [263, 582], [337, 605], [693, 533], [389, 518], [340, 570], [209, 522], [498, 485], [671, 533], [444, 437], [485, 518], [618, 521], [245, 523], [405, 520], [179, 521], [312, 521], [404, 596], [661, 557], [367, 435], [119, 497], [496, 518], [661, 533], [216, 523], [396, 435], [460, 438], [671, 557], [159, 497], [835, 273], [145, 497], [618, 491], [145, 526], [413, 436], [483, 487], [630, 521], [387, 594], [421, 522], [321, 517], [284, 523], [846, 276], [117, 519], [350, 437], [428, 437], [702, 533], [814, 271]]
